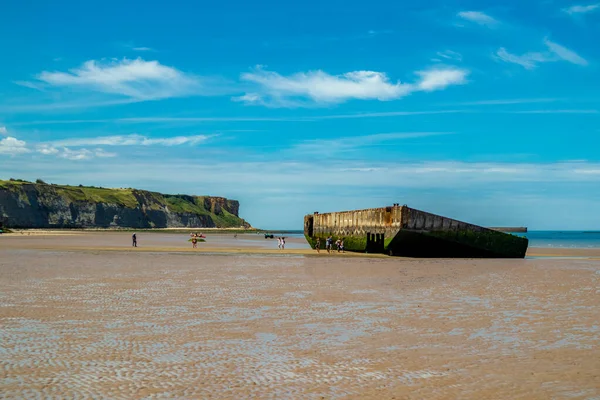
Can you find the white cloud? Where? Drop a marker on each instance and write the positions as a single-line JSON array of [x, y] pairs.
[[249, 98], [531, 60], [104, 154], [323, 88], [81, 154], [69, 154], [581, 9], [137, 79], [47, 149], [564, 53], [437, 79], [131, 140], [143, 49], [479, 17], [3, 130], [13, 146]]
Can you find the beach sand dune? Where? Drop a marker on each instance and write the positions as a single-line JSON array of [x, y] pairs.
[[132, 324]]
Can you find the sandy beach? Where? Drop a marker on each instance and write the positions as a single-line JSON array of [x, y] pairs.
[[252, 243], [168, 321]]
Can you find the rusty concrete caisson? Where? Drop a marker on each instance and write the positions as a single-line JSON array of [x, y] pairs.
[[404, 231]]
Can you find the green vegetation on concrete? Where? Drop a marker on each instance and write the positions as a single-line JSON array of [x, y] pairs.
[[351, 243], [491, 241]]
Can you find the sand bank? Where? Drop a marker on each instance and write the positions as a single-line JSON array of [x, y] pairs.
[[251, 243], [128, 324]]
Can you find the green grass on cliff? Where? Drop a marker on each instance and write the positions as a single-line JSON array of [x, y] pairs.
[[179, 204], [226, 219], [129, 198], [122, 197]]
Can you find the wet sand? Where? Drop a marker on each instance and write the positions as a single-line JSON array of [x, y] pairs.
[[78, 322], [215, 243]]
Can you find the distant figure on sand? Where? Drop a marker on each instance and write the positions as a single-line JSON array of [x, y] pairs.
[[194, 242], [282, 243], [279, 243], [134, 240], [342, 245], [318, 245], [328, 244], [337, 244]]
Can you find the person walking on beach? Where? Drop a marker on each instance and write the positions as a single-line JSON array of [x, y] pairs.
[[134, 240], [328, 244], [279, 243], [282, 243], [194, 242], [337, 244], [342, 245], [318, 245]]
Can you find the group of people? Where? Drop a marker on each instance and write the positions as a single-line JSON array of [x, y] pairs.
[[339, 244], [281, 243], [195, 236]]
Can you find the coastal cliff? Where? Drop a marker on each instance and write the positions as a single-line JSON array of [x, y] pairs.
[[40, 205]]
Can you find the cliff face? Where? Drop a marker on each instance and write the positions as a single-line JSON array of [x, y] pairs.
[[38, 205]]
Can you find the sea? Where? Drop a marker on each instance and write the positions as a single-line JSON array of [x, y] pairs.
[[563, 239], [551, 239]]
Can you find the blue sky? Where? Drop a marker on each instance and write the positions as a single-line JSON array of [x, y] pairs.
[[483, 111]]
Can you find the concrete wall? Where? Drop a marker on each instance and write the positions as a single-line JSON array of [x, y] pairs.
[[423, 221], [402, 230], [385, 220]]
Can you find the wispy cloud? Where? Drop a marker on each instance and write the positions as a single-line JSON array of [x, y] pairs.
[[47, 149], [506, 101], [70, 154], [77, 148], [582, 9], [332, 173], [447, 55], [131, 140], [13, 146], [3, 130], [137, 79], [565, 54], [82, 154], [332, 146], [142, 49], [479, 17], [151, 120], [374, 32], [65, 105], [387, 114], [31, 85], [531, 60], [527, 60], [563, 111], [319, 87]]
